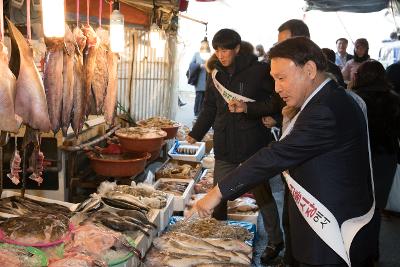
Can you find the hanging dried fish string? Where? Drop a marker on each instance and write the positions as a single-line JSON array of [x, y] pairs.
[[28, 20], [77, 13], [1, 22], [31, 138], [87, 12], [100, 11]]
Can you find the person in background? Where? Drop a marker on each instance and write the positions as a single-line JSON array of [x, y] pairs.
[[324, 150], [260, 53], [341, 56], [383, 107], [393, 76], [332, 68], [237, 136], [361, 48], [198, 63]]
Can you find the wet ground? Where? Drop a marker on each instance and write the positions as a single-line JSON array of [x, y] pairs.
[[390, 230]]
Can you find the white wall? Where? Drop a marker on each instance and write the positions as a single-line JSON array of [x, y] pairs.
[[257, 21]]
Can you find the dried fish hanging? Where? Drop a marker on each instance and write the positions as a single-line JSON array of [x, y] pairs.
[[29, 143], [1, 22], [15, 164], [53, 80], [99, 84], [28, 20], [89, 62], [110, 98]]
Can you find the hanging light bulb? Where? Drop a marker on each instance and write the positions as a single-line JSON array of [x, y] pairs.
[[205, 52], [53, 18], [117, 30]]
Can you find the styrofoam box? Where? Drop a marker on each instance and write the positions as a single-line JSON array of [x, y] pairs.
[[196, 157], [179, 201], [143, 242], [251, 218], [166, 213]]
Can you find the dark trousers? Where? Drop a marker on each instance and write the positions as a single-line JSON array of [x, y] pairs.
[[366, 263], [264, 200], [288, 256], [198, 102]]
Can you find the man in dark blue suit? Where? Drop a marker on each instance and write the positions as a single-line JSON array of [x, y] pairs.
[[325, 151]]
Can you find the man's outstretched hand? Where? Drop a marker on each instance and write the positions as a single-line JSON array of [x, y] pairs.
[[205, 206]]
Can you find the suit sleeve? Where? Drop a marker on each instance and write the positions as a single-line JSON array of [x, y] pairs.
[[207, 115], [313, 134]]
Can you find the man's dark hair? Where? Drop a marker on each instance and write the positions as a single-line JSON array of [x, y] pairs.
[[299, 50], [329, 53], [226, 39], [296, 27], [342, 39]]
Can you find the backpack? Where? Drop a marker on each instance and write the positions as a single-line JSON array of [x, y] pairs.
[[192, 73]]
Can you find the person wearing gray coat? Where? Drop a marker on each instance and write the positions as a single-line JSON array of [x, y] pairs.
[[198, 62]]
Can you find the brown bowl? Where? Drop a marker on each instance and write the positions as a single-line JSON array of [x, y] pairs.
[[171, 131], [121, 165], [141, 145], [135, 144]]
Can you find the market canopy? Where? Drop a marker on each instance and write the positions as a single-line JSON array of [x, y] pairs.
[[358, 6]]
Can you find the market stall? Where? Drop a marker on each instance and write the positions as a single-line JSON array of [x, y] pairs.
[[77, 141]]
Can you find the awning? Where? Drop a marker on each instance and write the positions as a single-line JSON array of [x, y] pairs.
[[358, 6]]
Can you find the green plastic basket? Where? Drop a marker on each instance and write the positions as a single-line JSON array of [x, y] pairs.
[[37, 252]]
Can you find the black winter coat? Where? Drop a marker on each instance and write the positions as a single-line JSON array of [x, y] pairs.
[[237, 136], [384, 130]]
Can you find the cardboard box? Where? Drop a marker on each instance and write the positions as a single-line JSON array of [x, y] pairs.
[[179, 201], [196, 157]]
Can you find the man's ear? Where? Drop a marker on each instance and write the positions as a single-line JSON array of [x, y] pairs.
[[310, 69], [237, 48]]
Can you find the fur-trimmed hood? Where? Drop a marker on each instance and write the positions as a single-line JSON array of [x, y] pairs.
[[244, 58]]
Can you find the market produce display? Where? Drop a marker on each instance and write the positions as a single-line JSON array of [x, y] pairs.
[[173, 187], [211, 228], [140, 132], [178, 249], [159, 122], [179, 169]]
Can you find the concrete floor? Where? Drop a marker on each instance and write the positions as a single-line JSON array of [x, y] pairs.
[[390, 229]]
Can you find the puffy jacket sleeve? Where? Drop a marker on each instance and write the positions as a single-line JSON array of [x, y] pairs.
[[207, 116]]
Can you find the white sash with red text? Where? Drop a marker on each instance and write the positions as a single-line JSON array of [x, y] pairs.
[[321, 220], [225, 93]]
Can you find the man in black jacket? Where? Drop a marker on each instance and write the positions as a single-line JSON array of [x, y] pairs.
[[326, 154], [237, 136]]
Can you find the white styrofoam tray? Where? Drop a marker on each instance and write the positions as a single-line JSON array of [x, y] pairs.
[[142, 241], [166, 213], [251, 218], [196, 157], [179, 202]]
